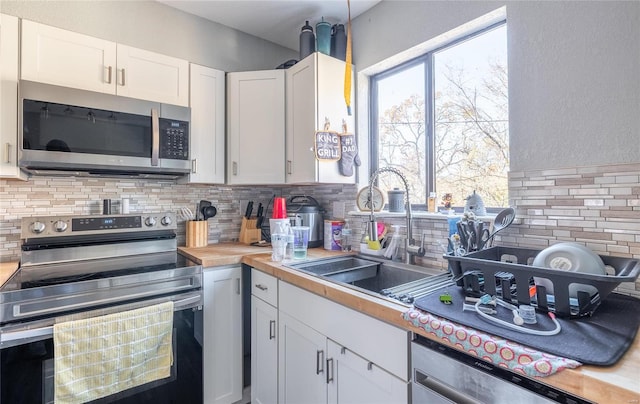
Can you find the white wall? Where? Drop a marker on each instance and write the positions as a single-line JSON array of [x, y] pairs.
[[574, 71], [156, 27]]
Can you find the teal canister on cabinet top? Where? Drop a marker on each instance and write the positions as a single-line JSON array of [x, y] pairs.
[[323, 37]]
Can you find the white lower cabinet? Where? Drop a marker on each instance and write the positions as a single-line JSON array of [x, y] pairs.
[[353, 379], [222, 325], [264, 352], [302, 363], [264, 338], [329, 353]]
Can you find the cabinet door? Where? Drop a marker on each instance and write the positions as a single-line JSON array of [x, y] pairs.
[[264, 352], [331, 104], [151, 76], [56, 56], [302, 363], [255, 127], [315, 92], [222, 335], [207, 125], [301, 121], [353, 379], [9, 97]]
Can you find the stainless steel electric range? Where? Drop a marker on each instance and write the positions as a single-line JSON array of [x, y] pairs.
[[75, 267]]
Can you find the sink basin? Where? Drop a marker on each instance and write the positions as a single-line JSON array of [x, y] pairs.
[[341, 269], [380, 278]]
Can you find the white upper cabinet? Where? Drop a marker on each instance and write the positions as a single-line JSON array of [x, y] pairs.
[[60, 57], [255, 127], [152, 76], [207, 137], [9, 98], [315, 92]]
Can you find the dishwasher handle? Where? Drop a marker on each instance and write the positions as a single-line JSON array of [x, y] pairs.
[[442, 389]]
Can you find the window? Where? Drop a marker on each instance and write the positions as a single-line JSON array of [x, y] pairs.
[[442, 119]]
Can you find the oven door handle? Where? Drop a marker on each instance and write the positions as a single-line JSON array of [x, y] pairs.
[[39, 333]]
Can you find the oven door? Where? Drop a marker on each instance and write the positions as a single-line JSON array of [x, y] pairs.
[[27, 360]]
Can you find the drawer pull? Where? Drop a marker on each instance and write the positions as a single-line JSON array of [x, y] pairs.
[[262, 287]]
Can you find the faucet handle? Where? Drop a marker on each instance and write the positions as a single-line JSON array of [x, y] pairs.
[[418, 250]]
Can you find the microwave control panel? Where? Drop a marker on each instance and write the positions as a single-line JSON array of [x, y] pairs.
[[174, 139]]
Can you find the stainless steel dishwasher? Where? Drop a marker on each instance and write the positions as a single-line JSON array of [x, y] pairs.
[[442, 374]]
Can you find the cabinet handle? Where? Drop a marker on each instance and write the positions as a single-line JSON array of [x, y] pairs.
[[194, 166], [319, 361], [370, 366], [155, 137], [329, 370], [235, 168], [272, 329], [7, 150], [108, 68], [343, 350], [261, 287], [289, 166], [237, 286], [122, 77]]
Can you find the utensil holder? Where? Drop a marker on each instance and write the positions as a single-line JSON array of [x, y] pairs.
[[249, 233], [197, 233]]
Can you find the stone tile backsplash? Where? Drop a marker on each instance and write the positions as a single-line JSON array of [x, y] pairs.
[[44, 196], [598, 206]]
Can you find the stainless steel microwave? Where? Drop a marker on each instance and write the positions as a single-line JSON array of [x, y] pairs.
[[65, 131]]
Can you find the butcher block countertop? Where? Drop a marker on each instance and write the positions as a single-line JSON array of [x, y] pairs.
[[616, 384], [6, 270]]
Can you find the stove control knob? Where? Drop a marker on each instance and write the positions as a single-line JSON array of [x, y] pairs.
[[37, 227], [150, 221], [166, 221], [60, 226]]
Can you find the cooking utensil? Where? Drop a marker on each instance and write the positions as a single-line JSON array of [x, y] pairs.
[[186, 214], [202, 206], [209, 212], [503, 220]]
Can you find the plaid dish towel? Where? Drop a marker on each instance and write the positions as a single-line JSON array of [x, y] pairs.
[[100, 356]]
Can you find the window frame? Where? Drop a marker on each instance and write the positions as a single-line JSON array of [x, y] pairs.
[[426, 59]]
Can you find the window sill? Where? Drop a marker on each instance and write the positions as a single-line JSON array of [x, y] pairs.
[[417, 215]]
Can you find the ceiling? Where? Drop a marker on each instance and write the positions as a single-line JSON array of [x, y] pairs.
[[276, 21]]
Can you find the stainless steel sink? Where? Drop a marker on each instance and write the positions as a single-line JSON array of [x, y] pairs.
[[377, 277]]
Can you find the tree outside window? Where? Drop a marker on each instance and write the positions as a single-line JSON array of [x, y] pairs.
[[457, 141]]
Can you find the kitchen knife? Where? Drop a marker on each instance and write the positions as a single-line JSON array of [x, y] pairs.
[[260, 217], [247, 213]]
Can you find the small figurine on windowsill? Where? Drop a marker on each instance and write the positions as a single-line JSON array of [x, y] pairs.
[[447, 200]]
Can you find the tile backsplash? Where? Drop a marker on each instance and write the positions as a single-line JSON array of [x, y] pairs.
[[598, 206], [42, 196]]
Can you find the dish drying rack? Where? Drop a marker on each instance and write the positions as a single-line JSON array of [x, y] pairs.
[[511, 270]]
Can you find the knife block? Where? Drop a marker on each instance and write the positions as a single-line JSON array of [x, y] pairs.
[[249, 233], [197, 233]]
